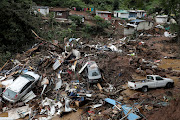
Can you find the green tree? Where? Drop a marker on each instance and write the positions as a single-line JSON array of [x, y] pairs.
[[116, 5], [173, 7], [16, 23], [101, 24]]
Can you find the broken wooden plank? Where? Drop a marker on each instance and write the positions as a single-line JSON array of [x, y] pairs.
[[11, 74], [4, 65], [37, 35], [99, 86], [32, 49], [82, 69]]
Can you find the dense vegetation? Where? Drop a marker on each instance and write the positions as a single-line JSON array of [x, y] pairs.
[[16, 24]]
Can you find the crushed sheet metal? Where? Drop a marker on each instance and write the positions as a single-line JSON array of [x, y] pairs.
[[58, 84], [76, 53], [20, 112], [126, 109], [97, 105], [29, 96], [67, 108], [57, 64]]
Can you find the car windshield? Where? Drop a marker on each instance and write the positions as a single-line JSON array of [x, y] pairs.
[[94, 73], [10, 93], [28, 77], [150, 78]]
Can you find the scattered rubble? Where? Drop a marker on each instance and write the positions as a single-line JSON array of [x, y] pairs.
[[64, 87]]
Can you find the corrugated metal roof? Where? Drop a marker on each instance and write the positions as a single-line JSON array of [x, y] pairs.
[[40, 7], [102, 11], [122, 11], [59, 9], [132, 10], [162, 16]]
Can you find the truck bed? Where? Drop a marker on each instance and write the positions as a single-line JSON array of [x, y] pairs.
[[140, 81]]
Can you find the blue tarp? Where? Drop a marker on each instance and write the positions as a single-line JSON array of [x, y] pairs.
[[71, 39], [137, 20], [125, 108]]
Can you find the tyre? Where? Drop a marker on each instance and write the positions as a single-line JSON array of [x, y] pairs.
[[144, 89], [169, 85]]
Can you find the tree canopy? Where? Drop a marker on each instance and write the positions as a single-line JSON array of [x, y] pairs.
[[16, 24]]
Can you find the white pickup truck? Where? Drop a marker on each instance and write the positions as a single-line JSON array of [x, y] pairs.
[[152, 81]]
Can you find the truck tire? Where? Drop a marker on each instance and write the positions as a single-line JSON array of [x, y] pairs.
[[169, 85], [144, 89]]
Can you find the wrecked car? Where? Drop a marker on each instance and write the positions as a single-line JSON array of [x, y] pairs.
[[152, 81], [20, 86], [93, 72]]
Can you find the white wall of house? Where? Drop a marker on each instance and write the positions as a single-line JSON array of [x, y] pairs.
[[124, 15], [121, 15], [44, 11], [115, 14], [144, 25], [161, 19], [140, 14], [128, 31]]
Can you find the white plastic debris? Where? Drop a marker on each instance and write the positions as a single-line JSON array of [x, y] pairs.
[[53, 107], [166, 34], [44, 87], [88, 95], [67, 87], [20, 112], [76, 53], [58, 84], [113, 48], [67, 108], [58, 62], [53, 110], [97, 105], [45, 81]]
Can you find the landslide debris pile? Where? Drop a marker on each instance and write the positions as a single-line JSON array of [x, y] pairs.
[[63, 88]]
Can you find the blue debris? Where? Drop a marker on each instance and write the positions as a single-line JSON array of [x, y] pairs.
[[71, 39], [125, 109], [75, 97]]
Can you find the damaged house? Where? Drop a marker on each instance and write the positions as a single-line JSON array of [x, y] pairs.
[[122, 28], [161, 19], [60, 13], [141, 24]]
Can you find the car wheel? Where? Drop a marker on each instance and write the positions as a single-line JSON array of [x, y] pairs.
[[144, 89], [169, 85]]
